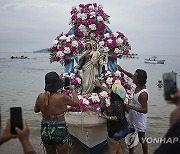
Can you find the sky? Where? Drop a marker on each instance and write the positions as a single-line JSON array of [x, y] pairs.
[[151, 26]]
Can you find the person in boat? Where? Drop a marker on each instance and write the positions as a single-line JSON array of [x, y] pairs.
[[117, 125], [23, 136], [160, 84], [138, 107], [171, 140], [53, 105]]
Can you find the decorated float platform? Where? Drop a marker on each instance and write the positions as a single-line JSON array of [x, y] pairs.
[[89, 52]]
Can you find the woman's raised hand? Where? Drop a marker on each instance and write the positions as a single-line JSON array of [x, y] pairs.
[[97, 83]]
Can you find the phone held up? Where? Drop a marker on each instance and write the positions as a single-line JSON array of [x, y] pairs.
[[16, 119], [66, 83], [170, 85]]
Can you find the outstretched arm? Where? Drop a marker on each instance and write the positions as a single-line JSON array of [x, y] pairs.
[[97, 84], [130, 75]]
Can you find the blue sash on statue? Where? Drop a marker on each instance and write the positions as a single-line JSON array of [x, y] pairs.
[[69, 67], [111, 64]]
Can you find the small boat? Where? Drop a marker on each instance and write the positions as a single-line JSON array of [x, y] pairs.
[[153, 60], [89, 129], [21, 57]]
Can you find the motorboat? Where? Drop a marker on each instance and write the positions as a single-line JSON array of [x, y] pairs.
[[88, 128], [21, 57], [154, 60]]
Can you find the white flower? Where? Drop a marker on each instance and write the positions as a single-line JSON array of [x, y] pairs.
[[86, 32], [106, 49], [109, 40], [117, 73], [74, 44], [92, 35], [59, 54], [62, 37], [104, 94], [80, 97], [104, 85], [72, 75], [91, 7], [55, 42], [107, 35], [118, 81], [66, 75], [116, 50], [78, 80], [109, 80], [79, 15], [95, 98], [68, 39], [99, 18], [82, 28], [92, 27], [83, 16], [93, 14], [119, 41], [108, 103], [67, 50], [101, 43], [85, 101], [115, 34]]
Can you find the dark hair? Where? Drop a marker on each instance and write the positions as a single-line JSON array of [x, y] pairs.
[[141, 77], [114, 97]]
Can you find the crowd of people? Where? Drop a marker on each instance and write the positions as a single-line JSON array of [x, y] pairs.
[[54, 132]]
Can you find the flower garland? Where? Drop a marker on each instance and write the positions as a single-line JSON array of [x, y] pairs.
[[114, 44], [97, 101], [65, 47], [88, 20]]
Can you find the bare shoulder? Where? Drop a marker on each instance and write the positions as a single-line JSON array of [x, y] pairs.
[[143, 96], [40, 96]]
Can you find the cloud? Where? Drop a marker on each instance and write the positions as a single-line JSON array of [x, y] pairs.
[[150, 25]]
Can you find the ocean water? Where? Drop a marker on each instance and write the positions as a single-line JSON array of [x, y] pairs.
[[21, 80]]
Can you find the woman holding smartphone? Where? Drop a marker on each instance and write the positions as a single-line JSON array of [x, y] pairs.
[[53, 105]]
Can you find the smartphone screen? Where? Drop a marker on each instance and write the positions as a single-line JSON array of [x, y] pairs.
[[66, 82], [16, 119], [170, 85]]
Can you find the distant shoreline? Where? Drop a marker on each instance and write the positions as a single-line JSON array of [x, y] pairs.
[[46, 50]]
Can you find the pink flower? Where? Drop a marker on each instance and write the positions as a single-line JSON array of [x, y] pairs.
[[61, 76], [73, 49], [74, 82], [57, 59], [125, 52], [54, 49], [95, 4], [90, 101], [114, 79], [73, 11], [65, 58], [95, 107], [79, 21], [114, 56], [66, 92], [101, 26], [67, 44], [81, 35], [73, 108], [122, 74], [114, 44]]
